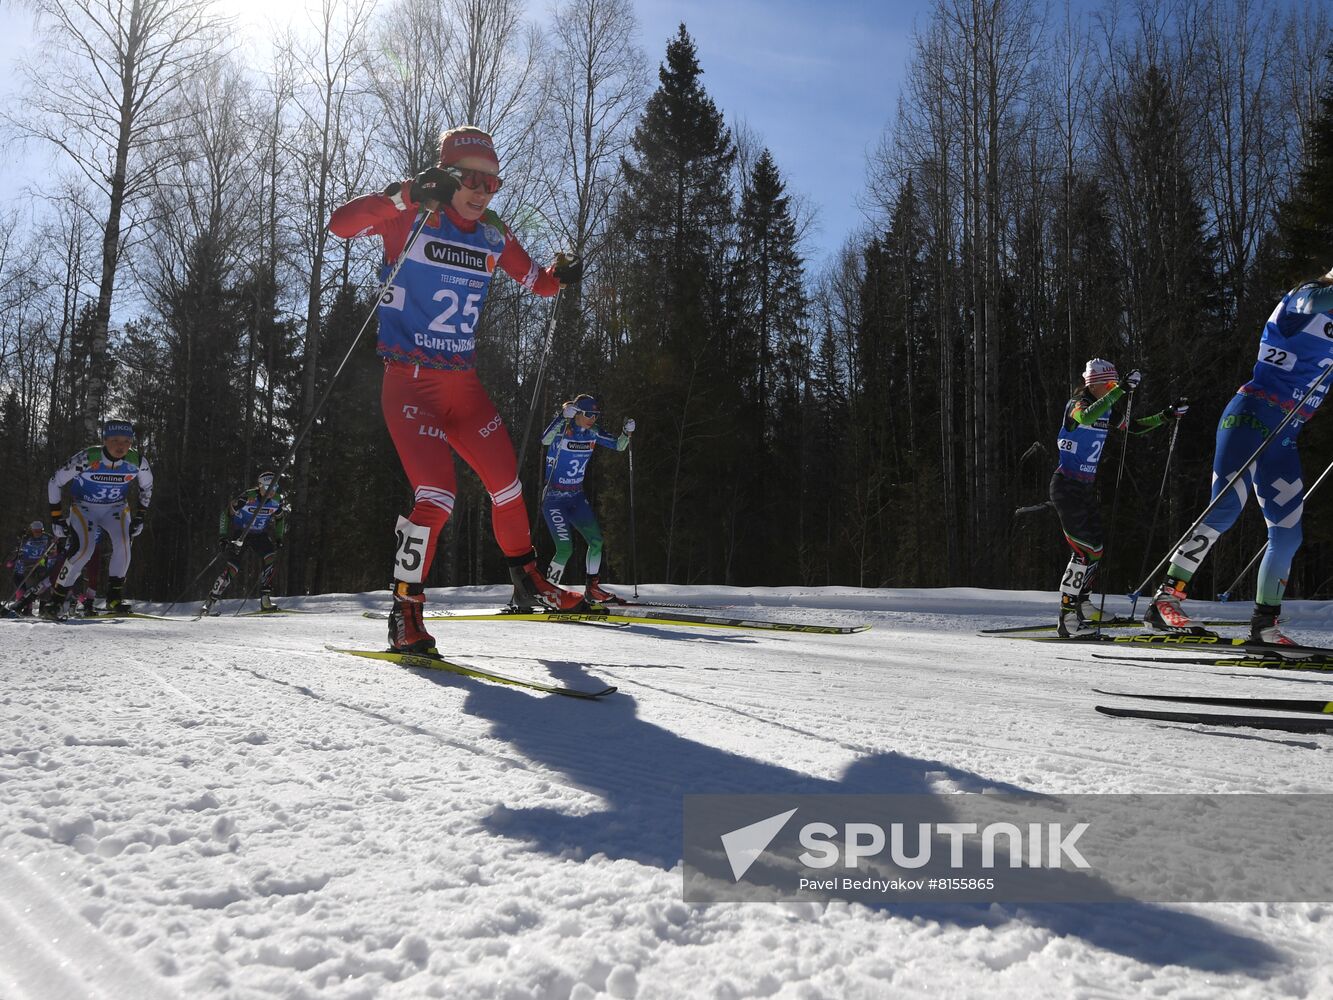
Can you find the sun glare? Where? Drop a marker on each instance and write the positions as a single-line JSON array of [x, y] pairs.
[[256, 20]]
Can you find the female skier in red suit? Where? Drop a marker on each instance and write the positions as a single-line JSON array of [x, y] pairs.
[[433, 401]]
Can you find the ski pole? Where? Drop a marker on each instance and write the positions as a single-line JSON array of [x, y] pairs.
[[190, 586], [547, 338], [1115, 501], [633, 531], [1157, 507], [546, 471], [1235, 477], [251, 586], [33, 568], [1226, 594], [328, 391]]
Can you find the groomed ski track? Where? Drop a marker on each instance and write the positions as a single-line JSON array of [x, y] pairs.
[[225, 809]]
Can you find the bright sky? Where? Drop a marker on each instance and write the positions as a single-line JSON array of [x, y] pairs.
[[816, 83]]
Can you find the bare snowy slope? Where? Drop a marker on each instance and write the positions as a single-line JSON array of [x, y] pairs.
[[226, 809]]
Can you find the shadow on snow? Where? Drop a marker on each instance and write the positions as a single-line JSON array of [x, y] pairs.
[[643, 770]]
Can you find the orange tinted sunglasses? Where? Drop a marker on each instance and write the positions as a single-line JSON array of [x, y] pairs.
[[479, 180]]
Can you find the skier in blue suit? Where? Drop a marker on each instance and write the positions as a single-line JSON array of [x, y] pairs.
[[28, 562], [1295, 349], [570, 440]]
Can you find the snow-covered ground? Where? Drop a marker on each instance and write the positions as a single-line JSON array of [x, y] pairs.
[[226, 809]]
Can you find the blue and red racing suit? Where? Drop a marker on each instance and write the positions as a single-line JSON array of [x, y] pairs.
[[432, 401]]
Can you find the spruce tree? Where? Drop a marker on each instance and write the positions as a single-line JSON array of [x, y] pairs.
[[769, 358], [341, 532], [1306, 217], [202, 421], [678, 202], [675, 222], [892, 435], [773, 279], [15, 503]]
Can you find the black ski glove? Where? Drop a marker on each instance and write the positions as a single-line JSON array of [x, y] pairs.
[[434, 186], [568, 269]]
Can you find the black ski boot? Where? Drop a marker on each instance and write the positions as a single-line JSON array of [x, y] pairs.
[[595, 593], [52, 602], [115, 602], [1264, 628], [1074, 618], [407, 631], [215, 594], [1165, 614], [533, 592]]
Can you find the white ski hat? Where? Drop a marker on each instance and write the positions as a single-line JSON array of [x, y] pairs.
[[37, 526], [1099, 371]]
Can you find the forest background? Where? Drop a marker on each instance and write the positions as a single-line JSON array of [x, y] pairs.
[[1139, 182]]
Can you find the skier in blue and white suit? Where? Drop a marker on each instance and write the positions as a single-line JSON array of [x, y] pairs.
[[29, 559], [1295, 349], [100, 479], [570, 439], [33, 547]]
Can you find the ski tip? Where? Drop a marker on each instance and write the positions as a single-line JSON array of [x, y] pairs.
[[434, 661], [1279, 723], [1126, 713]]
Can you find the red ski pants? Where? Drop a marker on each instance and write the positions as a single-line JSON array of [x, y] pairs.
[[434, 414]]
